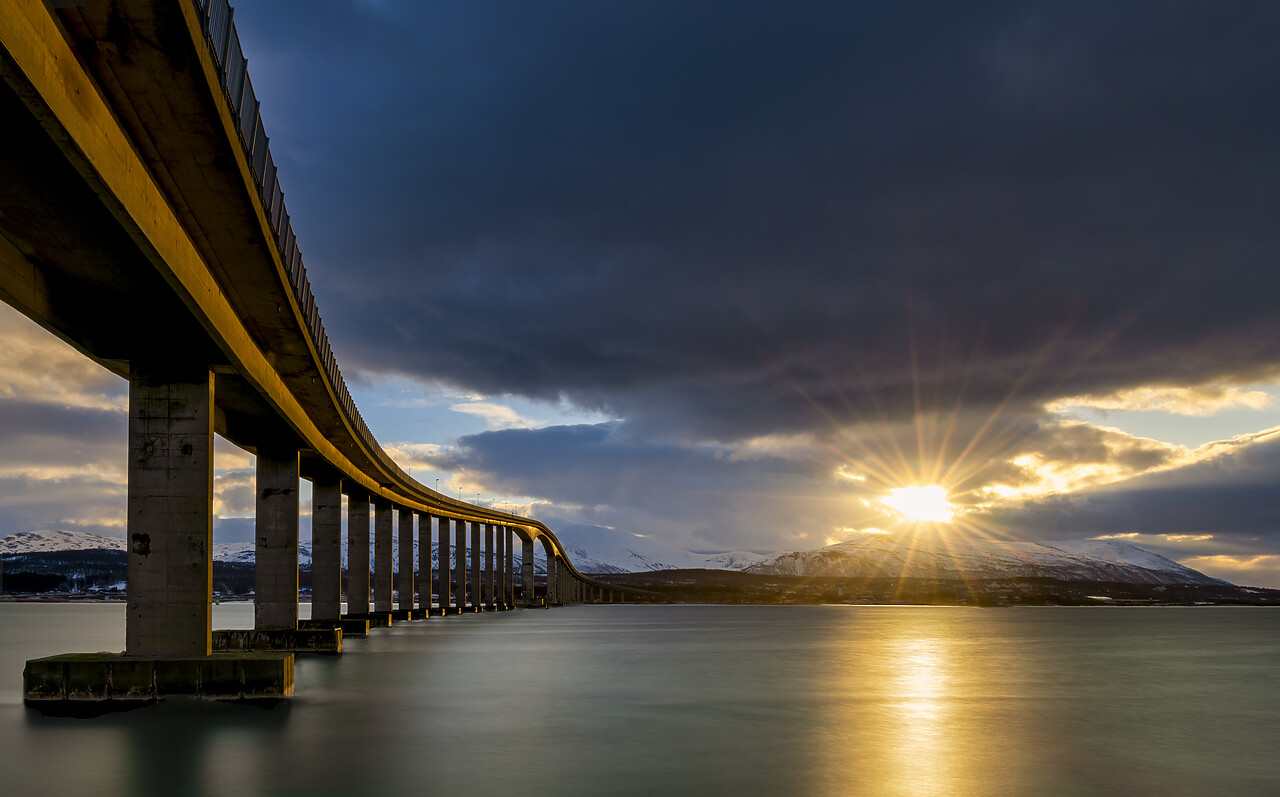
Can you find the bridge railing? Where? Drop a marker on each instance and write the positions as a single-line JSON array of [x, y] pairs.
[[217, 19]]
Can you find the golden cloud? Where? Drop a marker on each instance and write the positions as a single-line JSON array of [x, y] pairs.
[[1199, 401]]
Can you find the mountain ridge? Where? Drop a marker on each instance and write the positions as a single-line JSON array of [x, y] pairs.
[[594, 551]]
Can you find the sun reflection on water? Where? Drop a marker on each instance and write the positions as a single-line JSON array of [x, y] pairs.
[[899, 719], [920, 752]]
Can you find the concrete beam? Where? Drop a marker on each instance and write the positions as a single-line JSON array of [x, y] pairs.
[[275, 547], [170, 511], [383, 546], [326, 548], [358, 553]]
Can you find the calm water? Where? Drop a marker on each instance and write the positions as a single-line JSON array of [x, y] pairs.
[[698, 700]]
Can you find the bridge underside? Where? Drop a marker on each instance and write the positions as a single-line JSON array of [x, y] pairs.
[[132, 227]]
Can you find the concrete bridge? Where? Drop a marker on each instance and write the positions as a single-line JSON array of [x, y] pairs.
[[142, 221]]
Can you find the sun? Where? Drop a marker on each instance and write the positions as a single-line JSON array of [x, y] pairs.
[[927, 503]]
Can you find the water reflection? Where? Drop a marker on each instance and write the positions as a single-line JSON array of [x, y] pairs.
[[921, 754], [898, 714], [868, 701]]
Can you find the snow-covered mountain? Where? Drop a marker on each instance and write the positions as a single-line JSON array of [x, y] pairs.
[[955, 558], [51, 541], [593, 549]]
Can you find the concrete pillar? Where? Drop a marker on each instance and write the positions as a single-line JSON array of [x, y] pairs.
[[442, 554], [326, 548], [552, 577], [405, 578], [526, 570], [500, 563], [358, 553], [383, 563], [473, 590], [490, 585], [424, 561], [504, 567], [275, 547], [404, 582], [460, 563], [170, 511]]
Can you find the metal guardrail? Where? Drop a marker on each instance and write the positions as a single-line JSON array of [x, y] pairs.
[[217, 20], [219, 29]]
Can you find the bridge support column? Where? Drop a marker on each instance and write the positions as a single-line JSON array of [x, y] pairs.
[[553, 580], [383, 563], [443, 556], [500, 562], [526, 572], [460, 564], [473, 588], [326, 548], [358, 553], [424, 563], [508, 560], [275, 548], [404, 581], [170, 512], [490, 584]]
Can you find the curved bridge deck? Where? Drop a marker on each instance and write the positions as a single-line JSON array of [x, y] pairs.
[[143, 221]]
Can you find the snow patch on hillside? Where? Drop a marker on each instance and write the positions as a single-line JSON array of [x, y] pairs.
[[956, 558]]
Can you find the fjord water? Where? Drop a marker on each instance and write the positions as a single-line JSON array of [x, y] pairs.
[[697, 700]]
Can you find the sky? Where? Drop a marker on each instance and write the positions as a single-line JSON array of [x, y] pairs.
[[729, 274]]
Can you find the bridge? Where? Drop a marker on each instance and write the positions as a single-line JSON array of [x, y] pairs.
[[142, 220]]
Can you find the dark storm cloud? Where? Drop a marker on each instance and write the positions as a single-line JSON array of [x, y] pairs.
[[720, 220], [37, 437], [63, 468], [700, 497]]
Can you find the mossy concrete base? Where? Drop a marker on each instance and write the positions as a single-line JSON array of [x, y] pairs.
[[299, 640], [94, 682], [376, 619], [350, 627], [401, 615]]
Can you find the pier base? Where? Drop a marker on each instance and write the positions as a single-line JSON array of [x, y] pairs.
[[92, 683], [308, 640], [401, 615], [349, 627], [376, 619]]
